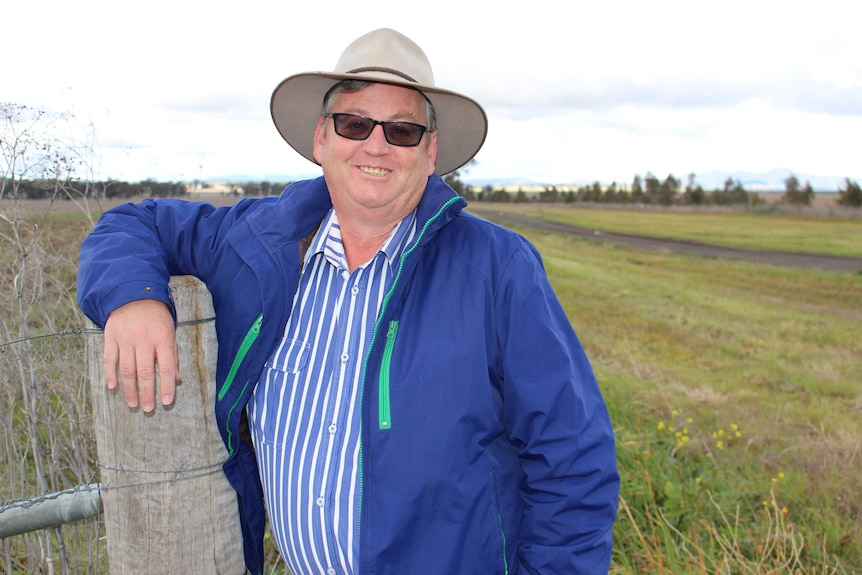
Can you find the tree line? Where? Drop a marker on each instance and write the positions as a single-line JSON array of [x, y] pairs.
[[648, 190], [652, 191], [46, 189]]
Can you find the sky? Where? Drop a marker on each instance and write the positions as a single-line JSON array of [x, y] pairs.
[[574, 91]]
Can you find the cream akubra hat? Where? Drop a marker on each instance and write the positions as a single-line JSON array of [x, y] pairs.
[[386, 56]]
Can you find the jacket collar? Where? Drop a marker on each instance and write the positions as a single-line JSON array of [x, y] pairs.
[[303, 205]]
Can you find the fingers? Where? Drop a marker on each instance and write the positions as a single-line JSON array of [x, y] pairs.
[[140, 342], [169, 375], [110, 361]]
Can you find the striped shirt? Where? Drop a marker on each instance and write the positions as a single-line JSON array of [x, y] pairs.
[[304, 412]]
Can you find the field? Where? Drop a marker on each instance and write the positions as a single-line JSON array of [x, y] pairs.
[[735, 388]]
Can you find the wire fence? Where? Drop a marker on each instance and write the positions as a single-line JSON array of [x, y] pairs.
[[138, 475], [13, 512], [172, 475]]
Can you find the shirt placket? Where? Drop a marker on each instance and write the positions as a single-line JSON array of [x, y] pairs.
[[337, 413]]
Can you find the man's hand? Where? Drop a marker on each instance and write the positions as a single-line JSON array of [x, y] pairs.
[[140, 339]]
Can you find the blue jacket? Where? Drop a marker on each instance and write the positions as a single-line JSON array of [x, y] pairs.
[[500, 454]]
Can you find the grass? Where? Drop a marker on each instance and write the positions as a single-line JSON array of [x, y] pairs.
[[691, 352], [734, 389], [802, 233]]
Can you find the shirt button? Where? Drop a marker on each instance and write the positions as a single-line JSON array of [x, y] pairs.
[[330, 571], [344, 357], [320, 501], [354, 290], [332, 428]]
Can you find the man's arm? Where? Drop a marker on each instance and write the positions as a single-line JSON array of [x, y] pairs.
[[123, 286], [555, 413]]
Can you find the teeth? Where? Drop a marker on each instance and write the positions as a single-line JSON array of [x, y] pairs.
[[374, 171]]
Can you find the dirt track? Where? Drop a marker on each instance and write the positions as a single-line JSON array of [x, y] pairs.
[[789, 259]]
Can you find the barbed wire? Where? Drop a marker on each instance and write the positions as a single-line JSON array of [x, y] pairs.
[[176, 475], [88, 330], [182, 474], [27, 503]]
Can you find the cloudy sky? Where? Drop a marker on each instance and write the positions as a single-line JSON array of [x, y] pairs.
[[575, 91]]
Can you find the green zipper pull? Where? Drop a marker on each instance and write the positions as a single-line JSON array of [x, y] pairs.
[[246, 344], [384, 409]]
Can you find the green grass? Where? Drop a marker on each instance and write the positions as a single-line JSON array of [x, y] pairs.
[[748, 230], [706, 349]]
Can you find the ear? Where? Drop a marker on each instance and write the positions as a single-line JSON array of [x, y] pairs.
[[431, 152], [319, 137]]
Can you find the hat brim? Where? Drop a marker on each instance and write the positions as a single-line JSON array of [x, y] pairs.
[[297, 102]]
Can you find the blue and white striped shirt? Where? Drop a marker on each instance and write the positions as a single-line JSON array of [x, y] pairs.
[[304, 412]]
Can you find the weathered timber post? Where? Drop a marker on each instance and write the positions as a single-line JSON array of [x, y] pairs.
[[168, 507]]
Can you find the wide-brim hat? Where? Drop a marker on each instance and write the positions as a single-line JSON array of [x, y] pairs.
[[381, 56]]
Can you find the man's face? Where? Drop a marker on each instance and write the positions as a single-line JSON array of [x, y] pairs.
[[373, 179]]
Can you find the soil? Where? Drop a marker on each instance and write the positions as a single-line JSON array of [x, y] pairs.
[[789, 259]]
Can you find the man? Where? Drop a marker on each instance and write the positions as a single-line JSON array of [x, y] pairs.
[[416, 397]]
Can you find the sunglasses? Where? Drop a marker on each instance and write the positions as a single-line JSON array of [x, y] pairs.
[[397, 133]]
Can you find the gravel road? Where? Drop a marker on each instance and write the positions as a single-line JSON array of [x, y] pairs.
[[790, 259]]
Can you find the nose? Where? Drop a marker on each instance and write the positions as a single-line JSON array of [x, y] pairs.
[[376, 141]]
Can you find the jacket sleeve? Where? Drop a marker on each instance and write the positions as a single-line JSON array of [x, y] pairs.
[[555, 414], [135, 248]]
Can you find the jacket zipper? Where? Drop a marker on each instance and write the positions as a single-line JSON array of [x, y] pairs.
[[371, 344], [384, 368], [246, 344], [502, 527], [384, 411]]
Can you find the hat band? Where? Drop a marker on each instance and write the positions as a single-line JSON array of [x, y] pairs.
[[384, 70]]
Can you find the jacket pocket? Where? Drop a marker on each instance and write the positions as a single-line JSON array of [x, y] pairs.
[[274, 396]]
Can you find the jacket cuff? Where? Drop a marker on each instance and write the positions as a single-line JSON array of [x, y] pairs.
[[134, 291]]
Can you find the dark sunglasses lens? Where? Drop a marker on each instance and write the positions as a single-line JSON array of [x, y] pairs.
[[403, 133], [353, 127]]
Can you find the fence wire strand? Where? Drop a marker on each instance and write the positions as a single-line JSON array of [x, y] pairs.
[[175, 475], [89, 330]]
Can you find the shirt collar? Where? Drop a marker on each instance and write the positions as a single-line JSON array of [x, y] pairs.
[[327, 240]]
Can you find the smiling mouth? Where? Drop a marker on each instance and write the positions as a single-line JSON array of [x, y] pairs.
[[374, 171]]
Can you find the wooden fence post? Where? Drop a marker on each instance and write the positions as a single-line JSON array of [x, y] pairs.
[[168, 506]]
